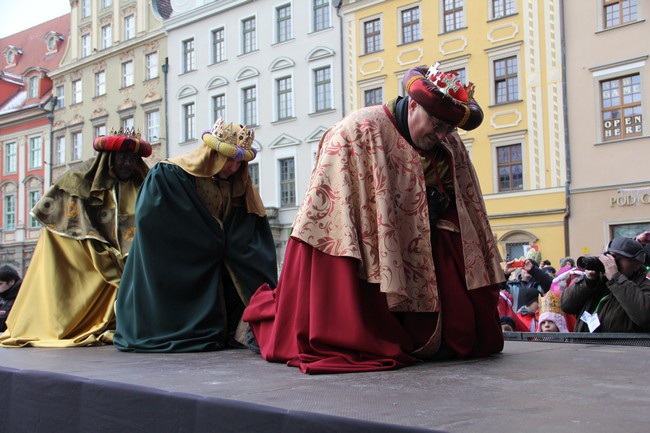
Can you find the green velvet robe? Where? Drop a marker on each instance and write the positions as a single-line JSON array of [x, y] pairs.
[[189, 275]]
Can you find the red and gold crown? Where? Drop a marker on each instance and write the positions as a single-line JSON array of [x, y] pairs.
[[123, 140]]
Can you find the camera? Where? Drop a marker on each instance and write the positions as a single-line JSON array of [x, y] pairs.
[[590, 263]]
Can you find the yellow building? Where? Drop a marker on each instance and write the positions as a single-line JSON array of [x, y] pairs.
[[511, 51]]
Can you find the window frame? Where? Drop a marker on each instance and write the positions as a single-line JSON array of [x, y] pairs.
[[60, 149], [328, 91], [188, 119], [621, 14], [376, 37], [283, 24], [9, 212], [444, 13], [188, 54], [10, 161], [284, 96], [77, 146], [622, 108], [248, 35], [289, 183], [216, 109], [417, 35], [151, 70], [86, 43], [33, 196], [107, 36], [77, 92], [129, 27], [499, 53], [505, 140], [128, 74], [153, 128], [100, 83], [321, 21], [505, 4], [35, 152], [249, 106], [34, 81], [218, 45], [60, 96]]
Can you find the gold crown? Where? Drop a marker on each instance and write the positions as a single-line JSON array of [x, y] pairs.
[[127, 132], [233, 134], [549, 303]]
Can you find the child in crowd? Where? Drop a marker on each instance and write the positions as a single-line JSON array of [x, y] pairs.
[[551, 318]]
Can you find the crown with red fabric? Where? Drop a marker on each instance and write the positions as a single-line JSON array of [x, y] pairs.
[[443, 96], [124, 140]]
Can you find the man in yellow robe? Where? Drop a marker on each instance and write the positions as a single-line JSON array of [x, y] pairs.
[[70, 287]]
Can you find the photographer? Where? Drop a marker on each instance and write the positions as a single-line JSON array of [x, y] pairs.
[[614, 298], [530, 279]]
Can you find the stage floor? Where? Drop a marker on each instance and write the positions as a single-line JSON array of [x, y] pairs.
[[531, 387]]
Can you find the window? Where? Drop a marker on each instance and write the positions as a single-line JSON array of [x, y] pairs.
[[76, 146], [127, 74], [503, 8], [189, 56], [10, 158], [32, 199], [100, 83], [284, 90], [254, 174], [151, 66], [249, 98], [283, 23], [60, 96], [129, 27], [60, 150], [323, 88], [621, 107], [35, 152], [85, 8], [510, 168], [85, 45], [321, 15], [189, 122], [411, 30], [218, 45], [506, 82], [218, 107], [100, 130], [128, 123], [453, 15], [10, 213], [107, 36], [106, 3], [76, 92], [372, 35], [462, 75], [249, 35], [373, 97], [287, 183], [618, 12], [153, 126], [33, 87]]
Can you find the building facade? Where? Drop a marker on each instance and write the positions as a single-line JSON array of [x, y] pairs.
[[511, 51], [607, 75], [26, 120], [274, 66], [111, 77]]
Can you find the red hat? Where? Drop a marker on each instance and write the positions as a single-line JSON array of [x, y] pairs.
[[443, 96], [123, 141]]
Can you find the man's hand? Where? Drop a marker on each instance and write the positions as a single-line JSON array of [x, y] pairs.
[[609, 263], [643, 238]]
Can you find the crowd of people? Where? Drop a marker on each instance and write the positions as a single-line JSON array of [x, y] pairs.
[[391, 259]]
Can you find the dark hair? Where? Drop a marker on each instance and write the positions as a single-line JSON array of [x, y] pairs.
[[7, 273], [546, 262], [507, 320], [567, 261]]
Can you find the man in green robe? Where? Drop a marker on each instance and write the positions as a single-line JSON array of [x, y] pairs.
[[203, 246]]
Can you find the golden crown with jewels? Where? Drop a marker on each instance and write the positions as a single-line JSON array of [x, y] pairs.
[[231, 140]]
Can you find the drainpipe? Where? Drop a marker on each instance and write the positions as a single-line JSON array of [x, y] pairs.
[[567, 147], [338, 14], [165, 69]]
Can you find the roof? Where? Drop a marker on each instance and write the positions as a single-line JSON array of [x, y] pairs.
[[31, 42]]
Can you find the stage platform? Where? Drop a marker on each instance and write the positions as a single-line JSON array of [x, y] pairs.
[[530, 387]]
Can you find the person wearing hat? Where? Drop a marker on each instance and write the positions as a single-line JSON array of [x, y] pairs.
[[616, 300], [71, 284], [10, 283], [391, 258], [203, 245]]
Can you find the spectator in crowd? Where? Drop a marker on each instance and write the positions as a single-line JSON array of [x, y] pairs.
[[527, 313], [551, 317], [546, 267], [616, 298], [530, 278], [68, 295], [507, 324], [567, 261], [10, 283]]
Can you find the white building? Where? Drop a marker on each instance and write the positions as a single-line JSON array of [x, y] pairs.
[[274, 66]]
